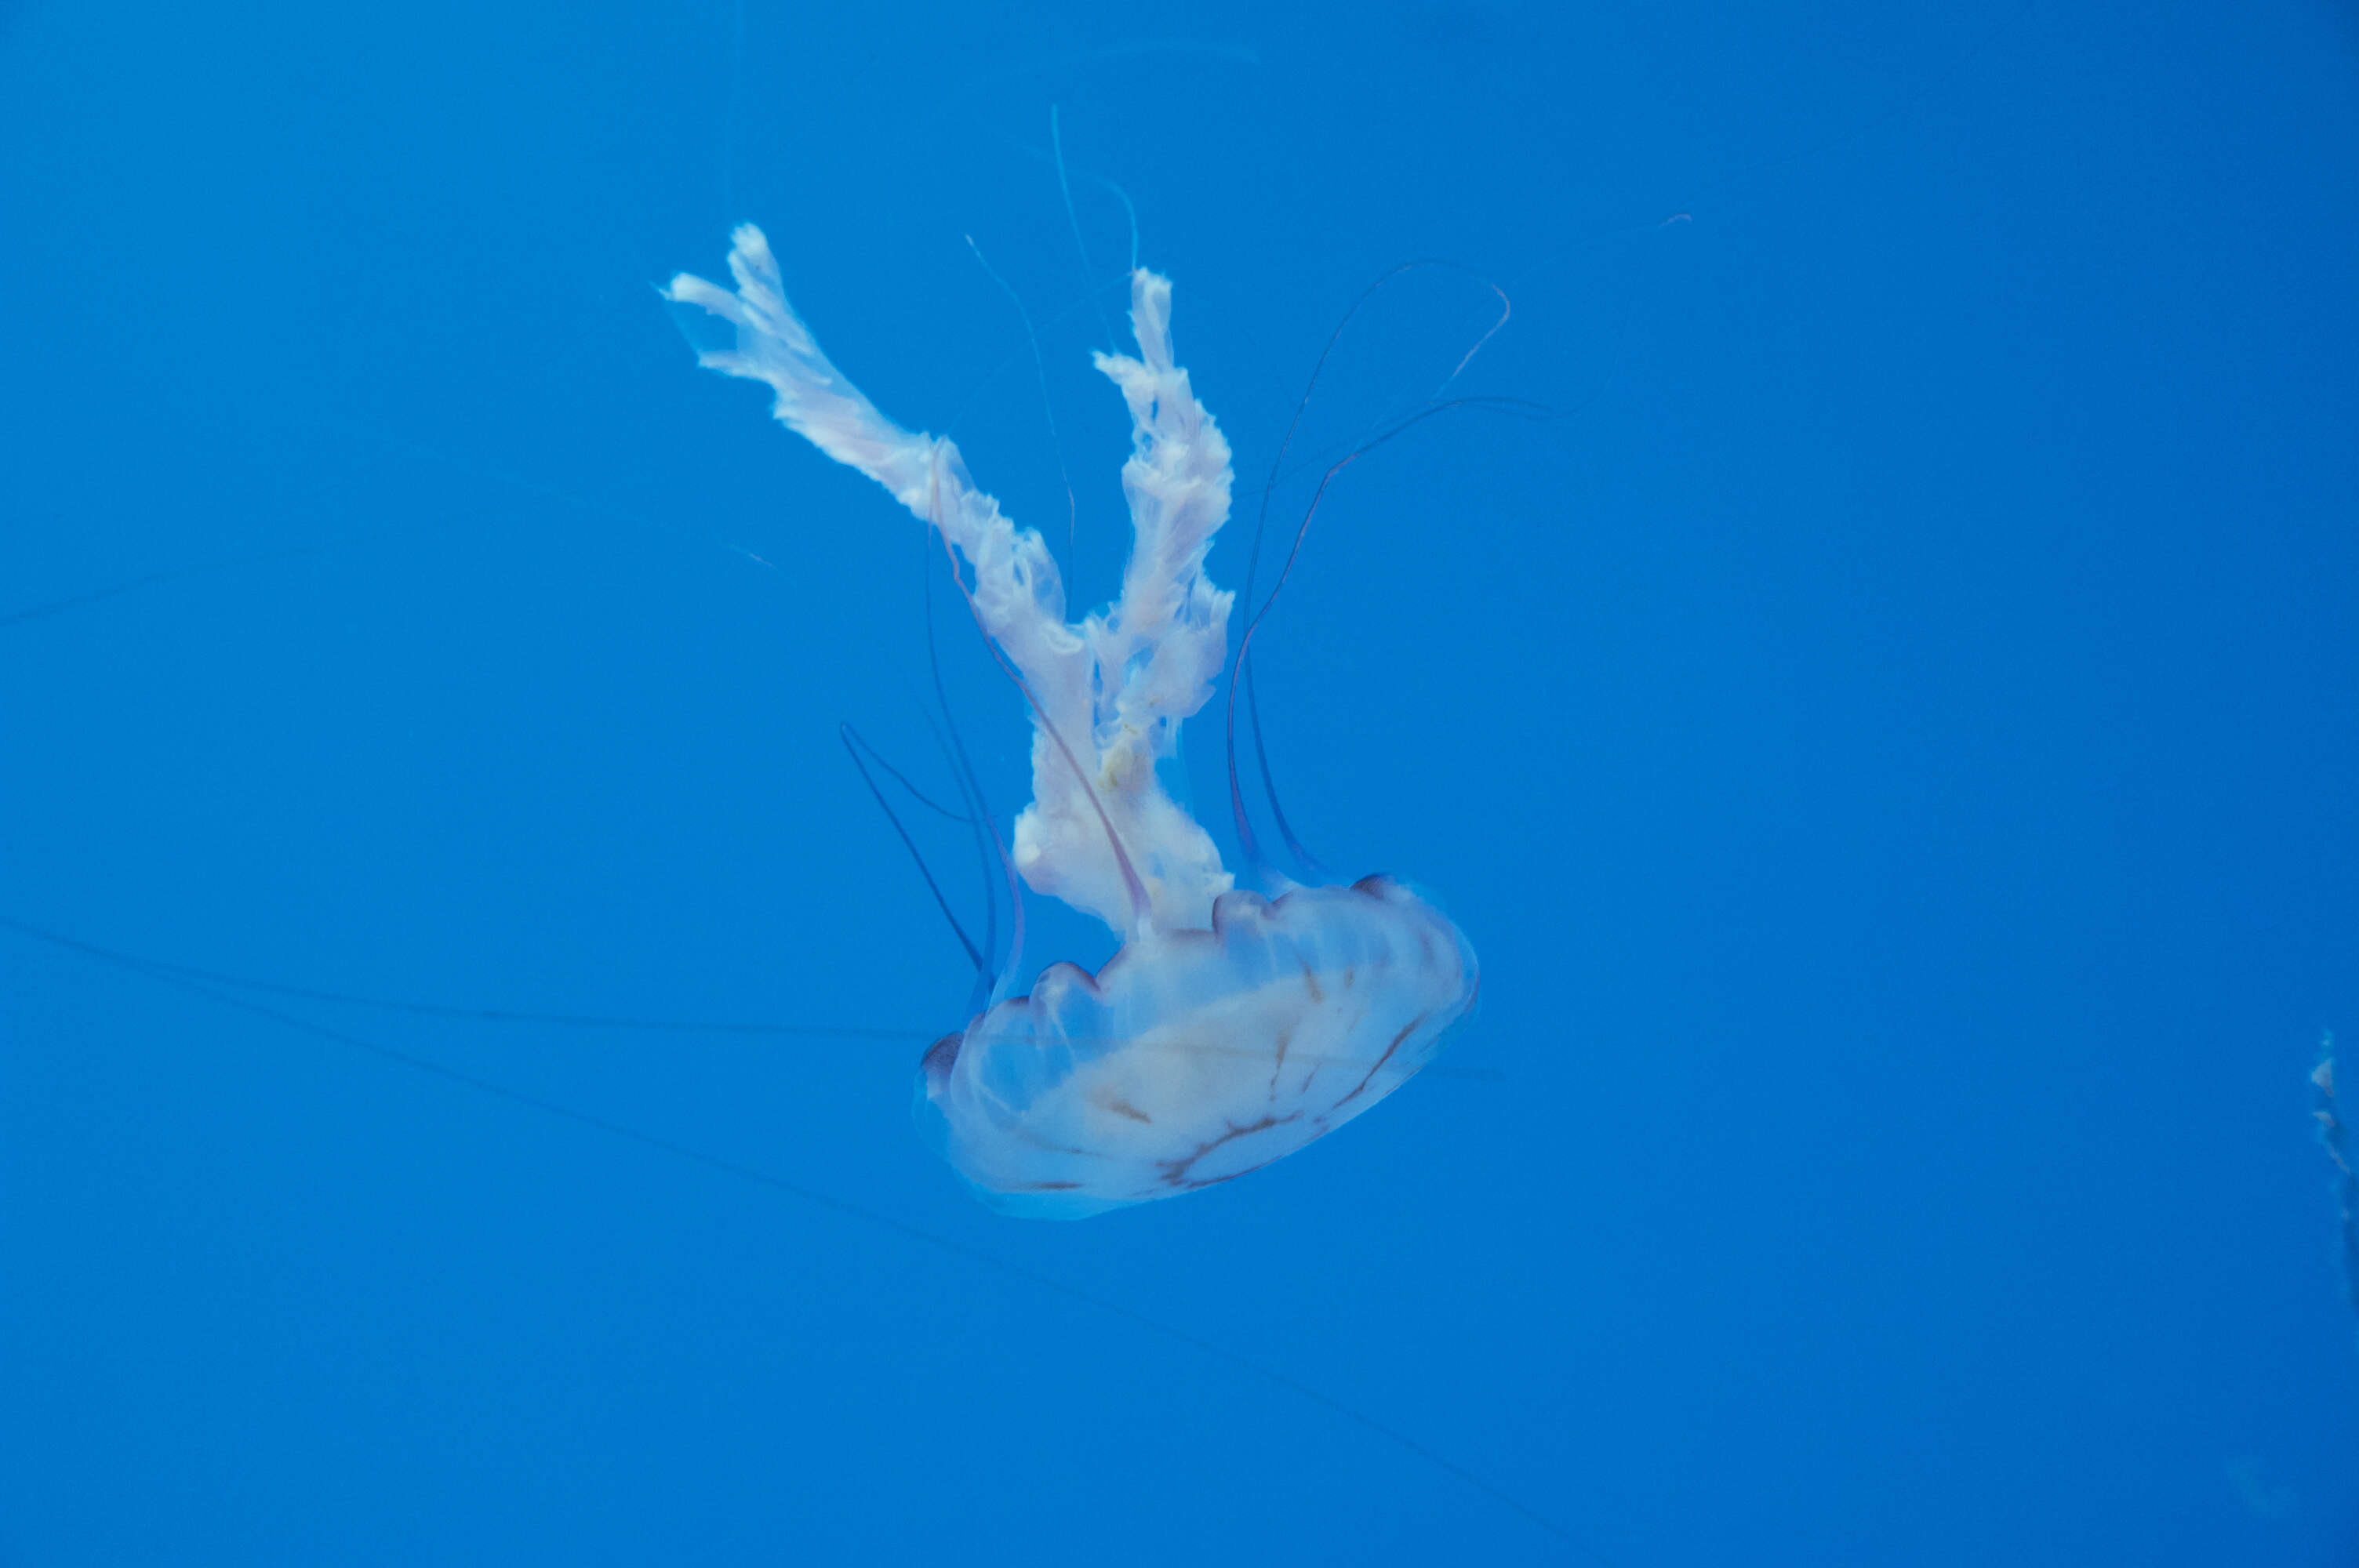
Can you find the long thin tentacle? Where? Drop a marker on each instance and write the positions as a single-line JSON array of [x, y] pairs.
[[1241, 673], [854, 745]]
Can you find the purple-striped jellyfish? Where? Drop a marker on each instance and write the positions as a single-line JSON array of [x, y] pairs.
[[1229, 1029]]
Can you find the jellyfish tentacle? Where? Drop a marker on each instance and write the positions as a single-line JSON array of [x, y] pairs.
[[991, 852], [1048, 408], [1243, 674], [855, 744], [1305, 862], [854, 740], [1074, 220]]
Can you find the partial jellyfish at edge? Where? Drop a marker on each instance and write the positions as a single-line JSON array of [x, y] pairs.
[[1229, 1029]]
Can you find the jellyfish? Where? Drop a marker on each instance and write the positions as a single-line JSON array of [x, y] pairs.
[[1231, 1028]]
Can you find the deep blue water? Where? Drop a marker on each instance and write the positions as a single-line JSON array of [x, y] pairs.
[[1889, 729]]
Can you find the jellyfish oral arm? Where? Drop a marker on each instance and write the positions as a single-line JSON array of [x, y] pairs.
[[1107, 695], [1154, 655], [1017, 591]]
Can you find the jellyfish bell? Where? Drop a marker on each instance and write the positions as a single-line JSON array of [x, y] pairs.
[[1194, 1057], [1229, 1029]]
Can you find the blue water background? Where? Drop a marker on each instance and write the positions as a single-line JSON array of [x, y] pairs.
[[1890, 731]]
